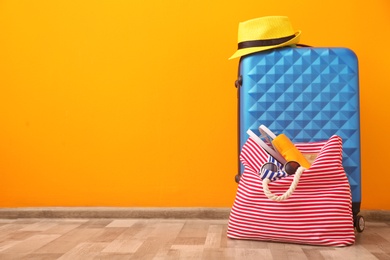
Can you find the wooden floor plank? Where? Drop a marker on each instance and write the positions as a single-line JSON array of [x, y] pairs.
[[214, 236], [31, 244], [67, 241], [84, 251], [120, 239]]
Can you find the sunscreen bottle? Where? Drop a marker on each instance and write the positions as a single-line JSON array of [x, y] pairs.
[[288, 150]]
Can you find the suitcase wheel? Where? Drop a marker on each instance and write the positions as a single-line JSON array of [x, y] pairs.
[[359, 223]]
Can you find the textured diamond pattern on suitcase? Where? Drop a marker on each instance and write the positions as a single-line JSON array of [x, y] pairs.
[[309, 94]]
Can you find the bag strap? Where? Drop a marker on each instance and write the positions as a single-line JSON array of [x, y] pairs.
[[289, 192]]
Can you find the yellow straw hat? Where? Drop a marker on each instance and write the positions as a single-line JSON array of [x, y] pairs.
[[265, 33]]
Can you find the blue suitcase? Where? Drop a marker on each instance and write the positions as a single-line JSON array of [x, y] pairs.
[[309, 94]]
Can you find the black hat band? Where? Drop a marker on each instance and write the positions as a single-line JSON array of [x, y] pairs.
[[263, 43]]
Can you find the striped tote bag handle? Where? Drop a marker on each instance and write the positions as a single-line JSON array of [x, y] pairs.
[[289, 192]]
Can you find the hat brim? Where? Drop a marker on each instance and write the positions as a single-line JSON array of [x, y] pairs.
[[246, 51]]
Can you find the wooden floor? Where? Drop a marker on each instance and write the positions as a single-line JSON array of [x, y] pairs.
[[165, 239]]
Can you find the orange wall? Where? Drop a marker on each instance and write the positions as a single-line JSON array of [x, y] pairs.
[[132, 103]]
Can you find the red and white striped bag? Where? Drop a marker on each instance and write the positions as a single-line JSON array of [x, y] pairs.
[[318, 212]]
